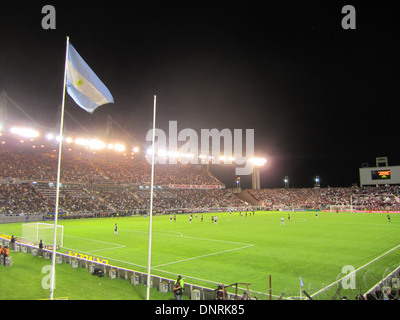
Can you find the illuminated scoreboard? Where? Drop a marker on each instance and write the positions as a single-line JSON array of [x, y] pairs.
[[380, 175]]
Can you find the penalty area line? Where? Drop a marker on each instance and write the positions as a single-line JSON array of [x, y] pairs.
[[203, 256]]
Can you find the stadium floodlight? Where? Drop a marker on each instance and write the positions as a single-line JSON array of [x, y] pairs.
[[227, 159], [173, 154], [93, 144], [258, 161], [69, 140], [96, 144], [25, 132], [286, 181], [187, 155], [119, 147], [135, 149], [82, 142], [317, 182], [150, 150], [50, 136], [162, 152]]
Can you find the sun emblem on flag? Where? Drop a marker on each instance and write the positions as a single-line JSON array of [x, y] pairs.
[[79, 83]]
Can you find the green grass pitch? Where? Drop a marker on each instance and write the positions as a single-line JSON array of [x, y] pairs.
[[246, 249]]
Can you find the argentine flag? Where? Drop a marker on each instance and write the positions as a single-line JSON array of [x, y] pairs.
[[83, 85]]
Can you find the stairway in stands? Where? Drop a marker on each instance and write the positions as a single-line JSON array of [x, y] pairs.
[[244, 195]]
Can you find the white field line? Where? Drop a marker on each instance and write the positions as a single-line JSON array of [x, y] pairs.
[[180, 235], [203, 256], [360, 268], [114, 245], [243, 246]]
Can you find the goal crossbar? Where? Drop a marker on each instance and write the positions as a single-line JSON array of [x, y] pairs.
[[34, 232]]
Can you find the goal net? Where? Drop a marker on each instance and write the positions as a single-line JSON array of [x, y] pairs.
[[34, 232]]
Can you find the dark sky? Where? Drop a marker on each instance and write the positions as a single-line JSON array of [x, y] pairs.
[[321, 99]]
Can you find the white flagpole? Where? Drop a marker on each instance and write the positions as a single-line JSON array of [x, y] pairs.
[[151, 202], [301, 285], [53, 263]]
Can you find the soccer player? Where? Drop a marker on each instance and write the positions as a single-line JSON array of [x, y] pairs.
[[190, 219], [388, 217], [215, 220], [115, 230], [282, 221]]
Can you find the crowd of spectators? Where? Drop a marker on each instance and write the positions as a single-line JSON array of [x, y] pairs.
[[89, 168], [100, 183], [16, 199], [287, 197], [385, 197], [381, 198]]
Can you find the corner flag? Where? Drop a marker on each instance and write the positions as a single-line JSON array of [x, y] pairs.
[[83, 85], [301, 282]]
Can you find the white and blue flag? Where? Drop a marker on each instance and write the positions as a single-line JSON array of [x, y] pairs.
[[83, 85]]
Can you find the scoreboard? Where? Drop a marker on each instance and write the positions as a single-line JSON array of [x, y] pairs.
[[380, 175]]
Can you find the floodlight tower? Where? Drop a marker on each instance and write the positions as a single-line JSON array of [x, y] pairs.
[[286, 181], [316, 182], [238, 183], [255, 176]]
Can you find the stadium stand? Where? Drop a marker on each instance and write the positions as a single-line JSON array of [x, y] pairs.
[[381, 198], [102, 184]]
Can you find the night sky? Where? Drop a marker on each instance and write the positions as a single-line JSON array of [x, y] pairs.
[[322, 100]]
